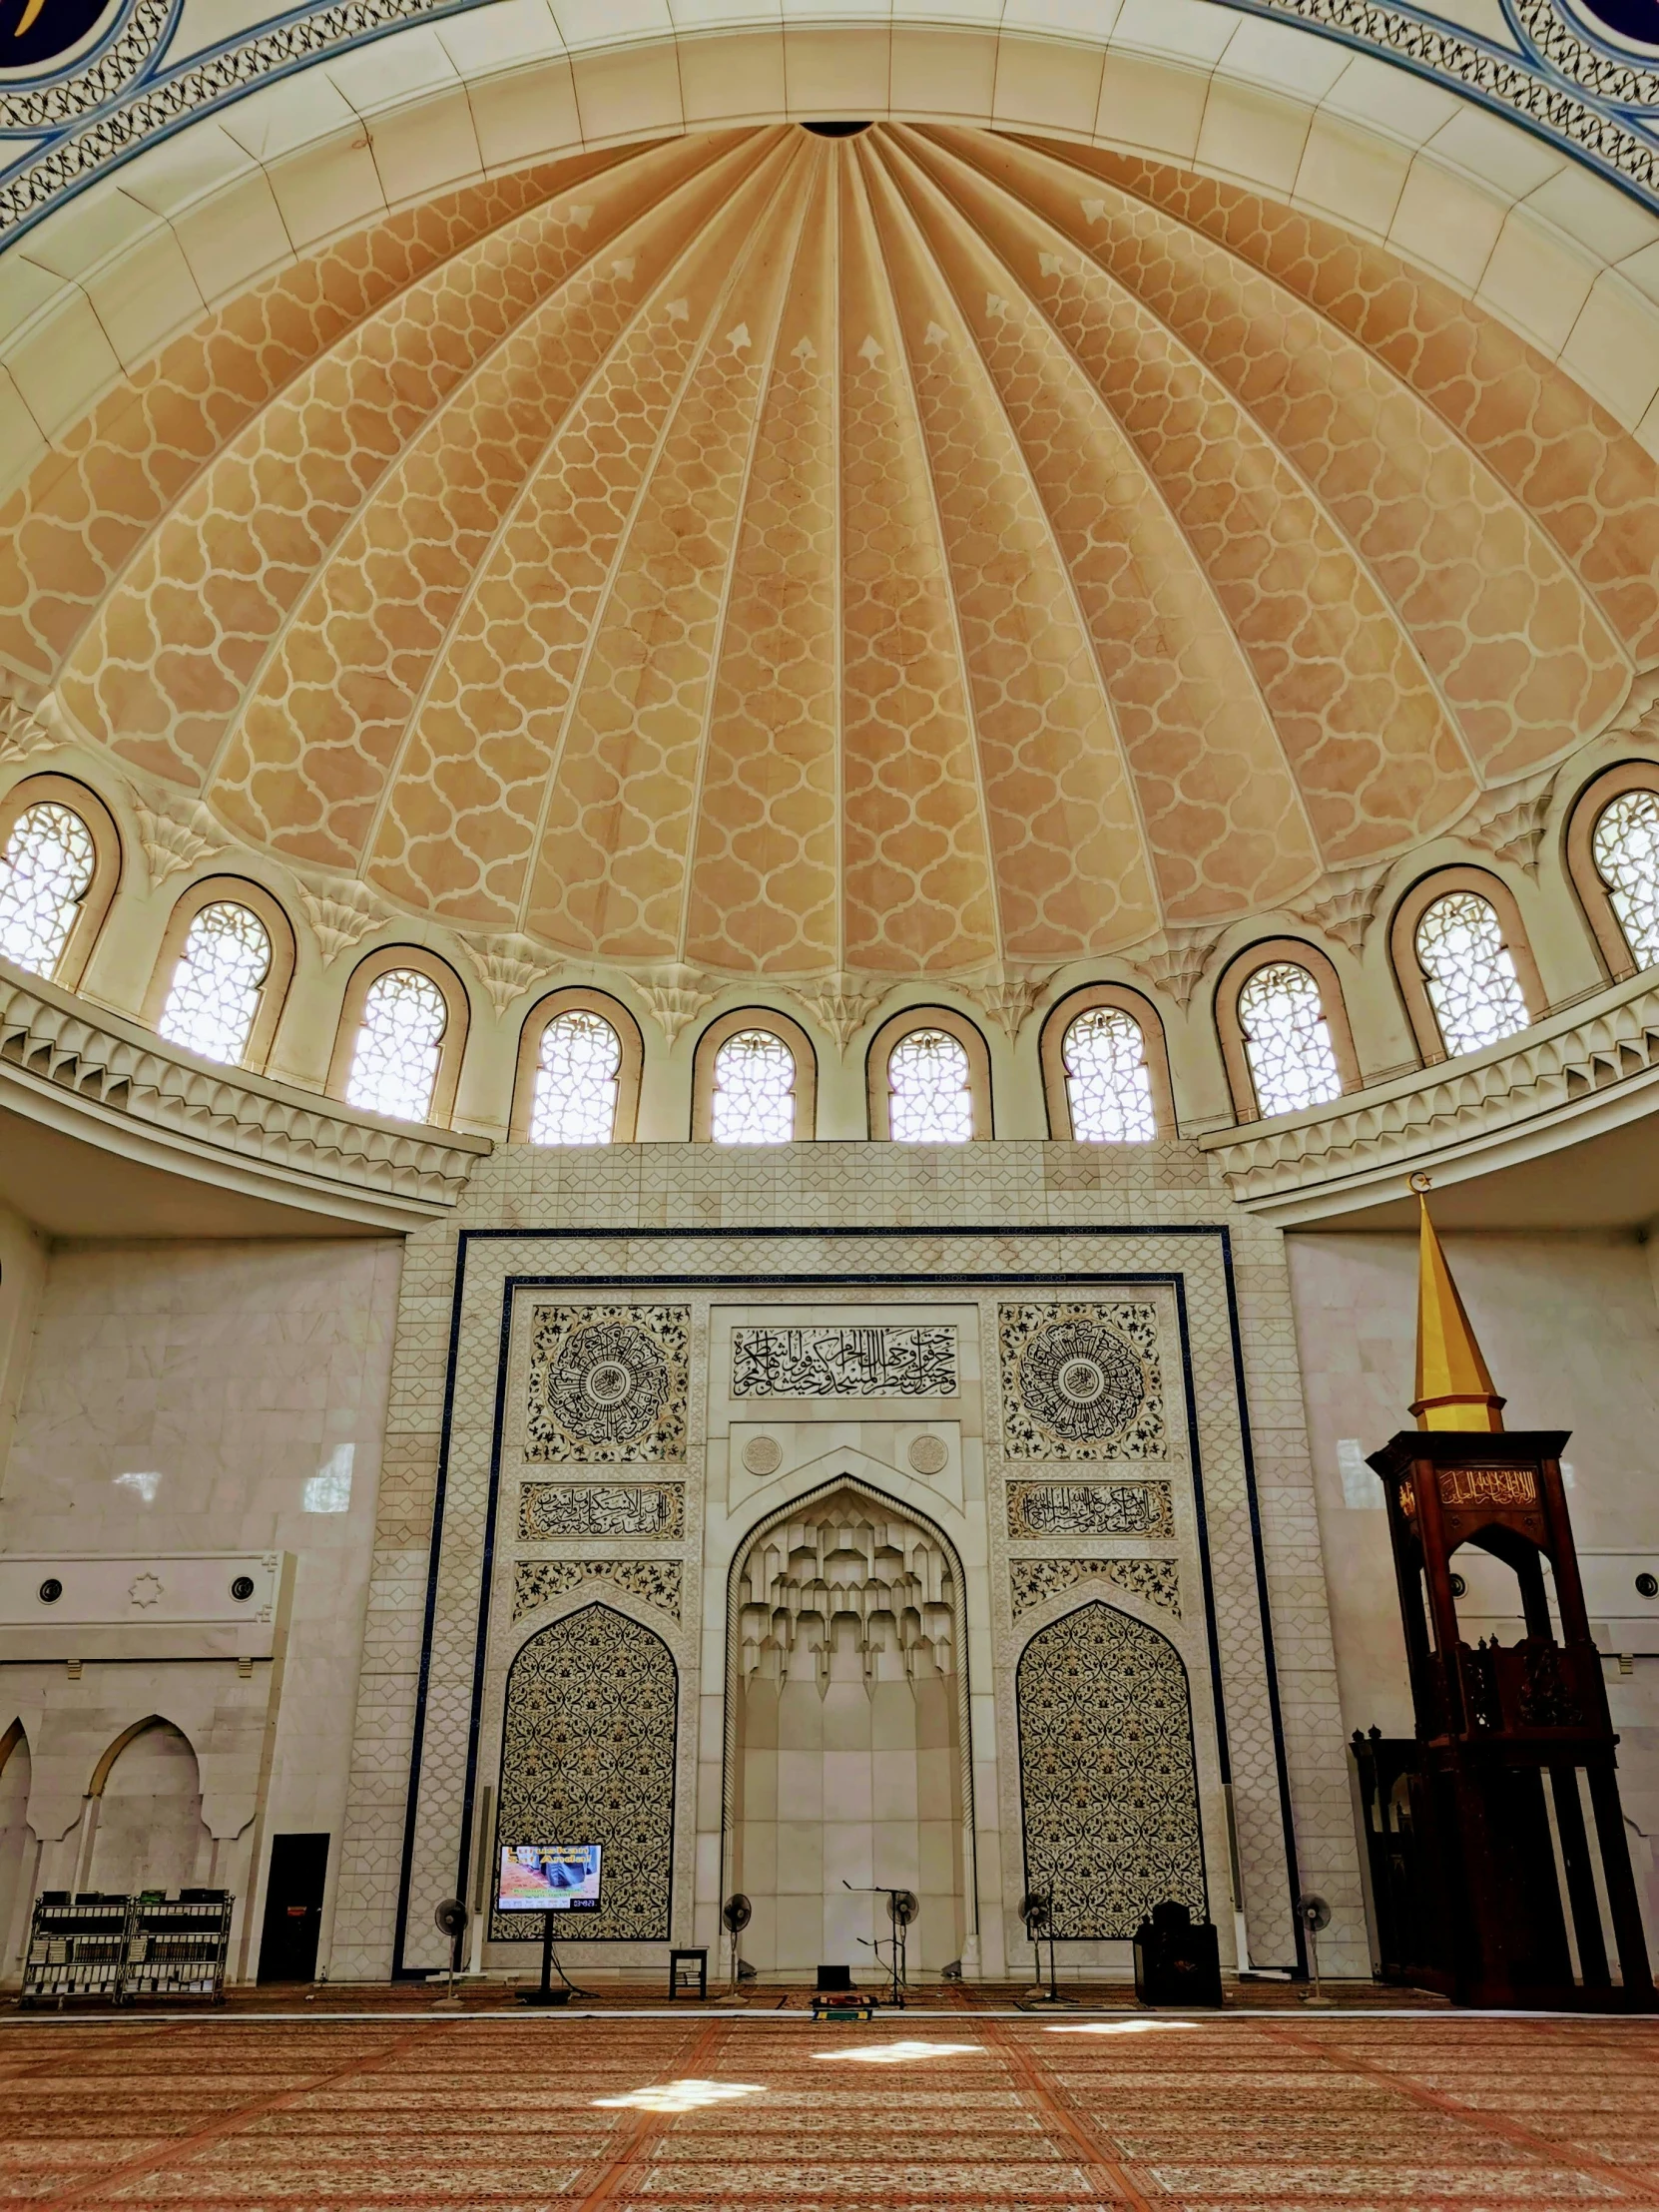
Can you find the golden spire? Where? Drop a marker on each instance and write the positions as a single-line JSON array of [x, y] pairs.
[[1454, 1390]]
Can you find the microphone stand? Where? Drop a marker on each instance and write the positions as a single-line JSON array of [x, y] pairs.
[[898, 1943]]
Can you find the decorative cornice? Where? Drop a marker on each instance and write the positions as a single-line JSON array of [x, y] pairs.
[[51, 1042], [508, 967], [1560, 84], [676, 995], [1175, 963], [1509, 823], [176, 837], [342, 915], [841, 1003], [1344, 906], [1573, 1059]]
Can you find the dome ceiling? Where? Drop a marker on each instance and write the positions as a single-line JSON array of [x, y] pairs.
[[898, 553]]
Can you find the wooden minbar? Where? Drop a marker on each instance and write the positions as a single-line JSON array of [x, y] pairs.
[[1508, 1909]]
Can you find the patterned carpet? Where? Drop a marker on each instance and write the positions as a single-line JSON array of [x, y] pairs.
[[515, 2112]]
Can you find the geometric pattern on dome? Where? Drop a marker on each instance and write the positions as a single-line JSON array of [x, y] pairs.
[[1625, 843], [1286, 1039], [214, 994], [930, 1101], [1108, 1087], [884, 555], [1470, 972], [1081, 1382], [46, 871]]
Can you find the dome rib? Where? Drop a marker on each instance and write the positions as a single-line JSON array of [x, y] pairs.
[[1442, 530], [1186, 890], [919, 880], [642, 642], [1531, 424], [1039, 719], [1213, 462], [448, 748], [335, 436]]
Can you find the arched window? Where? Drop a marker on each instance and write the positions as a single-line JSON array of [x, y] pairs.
[[1286, 1039], [1625, 847], [580, 1054], [754, 1079], [223, 971], [929, 1098], [576, 1081], [753, 1101], [1468, 972], [213, 998], [1108, 1083], [46, 873], [930, 1078], [1105, 1067], [1464, 967], [400, 1047], [1612, 854]]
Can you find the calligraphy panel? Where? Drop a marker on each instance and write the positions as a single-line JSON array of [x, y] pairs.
[[830, 1362], [601, 1509], [1090, 1510]]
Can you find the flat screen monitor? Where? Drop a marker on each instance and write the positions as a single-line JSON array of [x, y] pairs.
[[548, 1878]]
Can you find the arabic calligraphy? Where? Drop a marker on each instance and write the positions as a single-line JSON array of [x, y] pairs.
[[601, 1509], [916, 1362], [1090, 1510]]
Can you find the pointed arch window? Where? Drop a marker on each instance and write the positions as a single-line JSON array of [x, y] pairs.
[[1625, 847], [47, 869], [1468, 972], [1286, 1039], [399, 1046], [212, 1001]]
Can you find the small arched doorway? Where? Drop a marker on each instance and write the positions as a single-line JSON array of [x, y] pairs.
[[150, 1833], [847, 1733]]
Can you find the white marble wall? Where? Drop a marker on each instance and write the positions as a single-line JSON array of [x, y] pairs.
[[207, 1397], [1570, 1330]]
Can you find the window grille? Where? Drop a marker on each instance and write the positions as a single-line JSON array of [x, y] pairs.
[[1470, 972], [753, 1090], [927, 1081], [46, 873], [576, 1081], [1625, 845], [394, 1068], [213, 997], [1108, 1083], [1286, 1040]]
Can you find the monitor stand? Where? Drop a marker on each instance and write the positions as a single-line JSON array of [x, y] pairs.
[[545, 1994]]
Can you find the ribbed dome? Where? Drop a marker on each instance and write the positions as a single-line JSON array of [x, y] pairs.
[[896, 553]]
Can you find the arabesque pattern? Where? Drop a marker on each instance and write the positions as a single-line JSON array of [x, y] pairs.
[[888, 556]]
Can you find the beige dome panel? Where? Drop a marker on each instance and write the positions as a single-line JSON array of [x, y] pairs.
[[895, 554]]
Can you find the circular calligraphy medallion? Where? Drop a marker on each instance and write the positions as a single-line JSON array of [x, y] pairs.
[[1081, 1382], [1632, 19], [608, 1384], [762, 1456]]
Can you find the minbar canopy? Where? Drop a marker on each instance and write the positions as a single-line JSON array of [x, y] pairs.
[[789, 554]]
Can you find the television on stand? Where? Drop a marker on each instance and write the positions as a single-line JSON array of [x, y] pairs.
[[549, 1879]]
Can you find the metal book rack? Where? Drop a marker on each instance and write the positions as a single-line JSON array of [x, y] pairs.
[[118, 1950]]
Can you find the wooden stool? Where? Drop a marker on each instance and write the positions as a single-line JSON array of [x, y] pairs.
[[688, 1964]]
